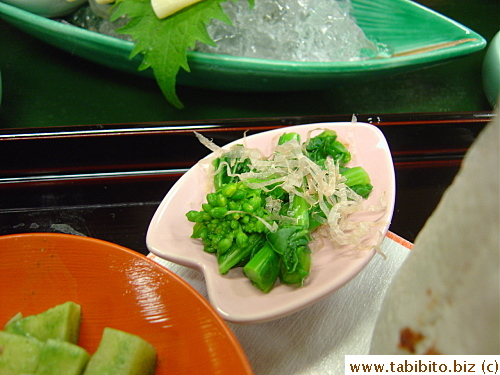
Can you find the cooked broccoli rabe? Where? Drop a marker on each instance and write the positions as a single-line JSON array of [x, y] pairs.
[[231, 223], [228, 170], [285, 254], [358, 180], [235, 225], [326, 145], [263, 268]]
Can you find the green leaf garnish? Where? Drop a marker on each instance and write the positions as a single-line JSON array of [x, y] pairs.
[[164, 43]]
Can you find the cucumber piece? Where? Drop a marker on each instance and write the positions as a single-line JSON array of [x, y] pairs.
[[14, 318], [18, 354], [59, 322], [62, 357], [122, 353]]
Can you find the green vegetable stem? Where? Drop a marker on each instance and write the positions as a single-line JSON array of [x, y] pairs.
[[239, 256], [358, 180], [228, 170], [286, 253], [264, 268]]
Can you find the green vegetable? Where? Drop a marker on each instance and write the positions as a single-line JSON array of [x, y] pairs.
[[301, 270], [291, 242], [19, 354], [326, 145], [286, 137], [264, 268], [228, 168], [122, 353], [358, 180], [62, 357], [231, 223], [59, 322], [240, 255], [35, 345], [164, 43], [286, 253]]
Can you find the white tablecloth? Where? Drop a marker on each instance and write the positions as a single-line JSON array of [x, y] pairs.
[[316, 339]]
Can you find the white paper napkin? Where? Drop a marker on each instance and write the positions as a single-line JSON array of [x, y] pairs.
[[316, 339]]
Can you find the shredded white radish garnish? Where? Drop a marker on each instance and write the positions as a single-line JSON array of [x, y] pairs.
[[206, 142]]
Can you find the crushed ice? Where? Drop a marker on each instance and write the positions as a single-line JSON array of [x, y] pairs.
[[290, 30]]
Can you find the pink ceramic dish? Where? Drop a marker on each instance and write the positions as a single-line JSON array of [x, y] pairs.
[[232, 295]]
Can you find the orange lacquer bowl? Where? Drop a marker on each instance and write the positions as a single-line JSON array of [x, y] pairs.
[[118, 288]]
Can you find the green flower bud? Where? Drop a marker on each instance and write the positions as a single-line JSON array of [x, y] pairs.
[[224, 245], [219, 212]]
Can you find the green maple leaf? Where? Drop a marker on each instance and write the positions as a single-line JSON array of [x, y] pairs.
[[164, 43]]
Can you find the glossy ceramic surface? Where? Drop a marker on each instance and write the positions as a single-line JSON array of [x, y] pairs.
[[418, 36], [119, 288], [232, 295], [47, 8], [491, 71]]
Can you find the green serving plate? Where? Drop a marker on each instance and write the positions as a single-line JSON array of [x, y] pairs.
[[418, 36]]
